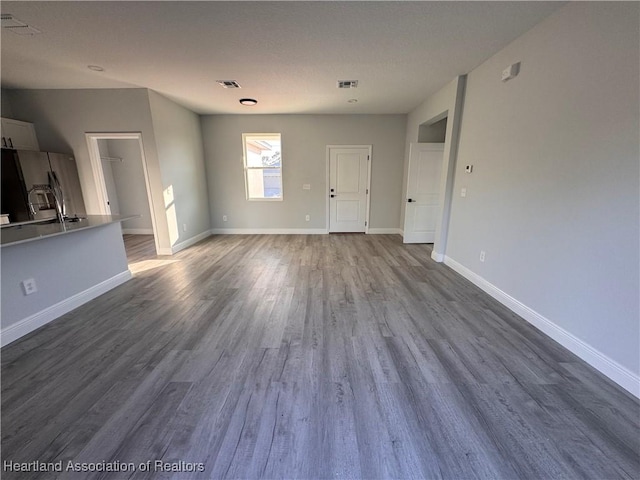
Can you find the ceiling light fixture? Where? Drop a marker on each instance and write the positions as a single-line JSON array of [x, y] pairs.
[[250, 102], [95, 68], [352, 100]]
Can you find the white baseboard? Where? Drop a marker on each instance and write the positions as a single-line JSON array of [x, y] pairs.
[[438, 257], [37, 320], [609, 367], [137, 231], [269, 231], [187, 243], [384, 231]]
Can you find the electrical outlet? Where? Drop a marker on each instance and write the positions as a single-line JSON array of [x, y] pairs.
[[306, 186], [224, 218], [307, 218], [184, 227], [463, 192], [29, 286], [482, 255]]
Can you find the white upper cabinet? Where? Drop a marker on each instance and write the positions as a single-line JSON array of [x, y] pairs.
[[19, 135]]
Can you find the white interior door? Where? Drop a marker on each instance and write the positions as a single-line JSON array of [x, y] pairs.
[[423, 192], [348, 188], [110, 185]]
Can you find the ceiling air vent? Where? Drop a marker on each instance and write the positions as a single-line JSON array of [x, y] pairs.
[[17, 26], [347, 83], [228, 84]]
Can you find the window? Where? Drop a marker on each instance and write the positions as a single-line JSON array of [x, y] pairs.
[[262, 166]]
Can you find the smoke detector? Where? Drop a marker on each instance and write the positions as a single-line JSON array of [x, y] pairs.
[[16, 26], [228, 84], [347, 83]]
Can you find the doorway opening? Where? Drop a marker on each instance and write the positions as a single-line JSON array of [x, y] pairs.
[[120, 173], [348, 185], [435, 132]]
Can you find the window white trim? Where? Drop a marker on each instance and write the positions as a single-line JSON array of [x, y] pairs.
[[261, 136]]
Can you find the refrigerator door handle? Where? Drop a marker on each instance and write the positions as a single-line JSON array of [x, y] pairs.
[[57, 188]]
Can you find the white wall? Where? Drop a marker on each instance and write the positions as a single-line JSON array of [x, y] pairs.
[[128, 178], [553, 198], [304, 142], [68, 269], [178, 137]]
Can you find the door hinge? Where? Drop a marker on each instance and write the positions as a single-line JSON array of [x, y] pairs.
[[368, 157], [365, 224], [367, 191]]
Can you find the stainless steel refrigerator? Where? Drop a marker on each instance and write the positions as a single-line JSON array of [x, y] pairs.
[[35, 183]]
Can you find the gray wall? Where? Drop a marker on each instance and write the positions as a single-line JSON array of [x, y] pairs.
[[171, 139], [6, 110], [62, 117], [434, 133], [304, 156], [446, 103], [62, 266], [128, 177], [553, 198], [180, 154]]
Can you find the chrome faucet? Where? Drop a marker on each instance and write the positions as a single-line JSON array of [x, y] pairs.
[[46, 189]]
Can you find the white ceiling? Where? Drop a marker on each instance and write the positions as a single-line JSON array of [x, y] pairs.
[[287, 55]]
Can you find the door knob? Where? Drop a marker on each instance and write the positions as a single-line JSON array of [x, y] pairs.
[[410, 200], [333, 190], [332, 195]]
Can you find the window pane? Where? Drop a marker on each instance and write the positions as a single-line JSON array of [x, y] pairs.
[[264, 183], [263, 152], [255, 183], [272, 183]]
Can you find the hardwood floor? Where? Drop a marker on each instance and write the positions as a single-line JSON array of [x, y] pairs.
[[328, 356], [139, 247]]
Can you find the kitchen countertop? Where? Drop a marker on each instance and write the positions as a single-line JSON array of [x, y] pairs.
[[17, 234]]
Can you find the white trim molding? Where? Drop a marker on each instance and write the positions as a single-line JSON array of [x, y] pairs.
[[438, 257], [269, 231], [598, 360], [384, 231], [187, 243], [27, 325], [137, 231]]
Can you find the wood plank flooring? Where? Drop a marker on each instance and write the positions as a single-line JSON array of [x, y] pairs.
[[328, 356]]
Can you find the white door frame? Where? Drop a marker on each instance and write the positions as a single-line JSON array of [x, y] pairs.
[[328, 182], [98, 173]]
